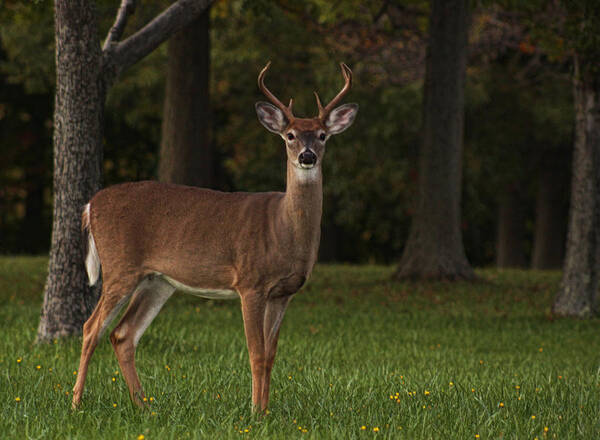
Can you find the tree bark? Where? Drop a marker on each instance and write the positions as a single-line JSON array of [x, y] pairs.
[[186, 155], [434, 248], [577, 295], [551, 214], [510, 246], [80, 95], [83, 74]]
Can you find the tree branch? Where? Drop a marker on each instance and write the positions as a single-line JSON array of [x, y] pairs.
[[125, 10], [117, 57]]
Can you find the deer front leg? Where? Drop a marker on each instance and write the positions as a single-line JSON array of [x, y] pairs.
[[253, 312]]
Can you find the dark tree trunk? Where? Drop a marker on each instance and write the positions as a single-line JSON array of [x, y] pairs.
[[79, 102], [434, 248], [577, 295], [510, 239], [186, 155], [551, 214]]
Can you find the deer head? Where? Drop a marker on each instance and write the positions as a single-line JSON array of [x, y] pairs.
[[305, 137]]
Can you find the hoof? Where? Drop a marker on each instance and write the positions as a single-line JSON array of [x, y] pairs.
[[140, 400]]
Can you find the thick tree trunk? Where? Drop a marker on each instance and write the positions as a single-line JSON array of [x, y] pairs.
[[434, 248], [79, 102], [551, 214], [186, 155], [577, 295], [510, 239]]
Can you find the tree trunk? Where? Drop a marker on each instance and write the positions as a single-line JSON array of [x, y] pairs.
[[186, 155], [83, 74], [510, 247], [79, 102], [434, 248], [550, 214], [577, 295]]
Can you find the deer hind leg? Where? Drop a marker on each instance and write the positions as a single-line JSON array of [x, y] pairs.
[[271, 324], [147, 301], [106, 310]]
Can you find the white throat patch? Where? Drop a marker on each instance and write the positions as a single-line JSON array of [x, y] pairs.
[[307, 175]]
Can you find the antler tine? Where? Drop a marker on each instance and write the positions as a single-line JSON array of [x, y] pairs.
[[287, 111], [347, 73]]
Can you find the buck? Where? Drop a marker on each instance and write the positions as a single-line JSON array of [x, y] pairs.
[[150, 239]]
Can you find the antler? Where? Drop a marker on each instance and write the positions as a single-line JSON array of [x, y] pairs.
[[287, 111], [323, 112]]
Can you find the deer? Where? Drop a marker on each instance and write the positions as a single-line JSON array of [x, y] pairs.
[[148, 239]]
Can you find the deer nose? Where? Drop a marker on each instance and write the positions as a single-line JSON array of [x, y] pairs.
[[307, 157]]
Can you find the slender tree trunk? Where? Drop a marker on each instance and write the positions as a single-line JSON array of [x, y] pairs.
[[434, 248], [510, 246], [79, 102], [551, 214], [186, 155], [577, 295]]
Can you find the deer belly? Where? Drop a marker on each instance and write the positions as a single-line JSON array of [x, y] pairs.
[[201, 292]]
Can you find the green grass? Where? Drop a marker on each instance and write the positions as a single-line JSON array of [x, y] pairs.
[[447, 354]]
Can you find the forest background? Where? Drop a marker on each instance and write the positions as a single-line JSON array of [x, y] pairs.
[[518, 139]]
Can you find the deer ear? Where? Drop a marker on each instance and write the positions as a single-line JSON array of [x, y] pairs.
[[271, 117], [341, 118]]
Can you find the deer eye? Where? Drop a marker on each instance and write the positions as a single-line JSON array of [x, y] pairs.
[[290, 136], [322, 137]]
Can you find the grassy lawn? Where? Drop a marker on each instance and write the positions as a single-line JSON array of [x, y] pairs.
[[359, 357]]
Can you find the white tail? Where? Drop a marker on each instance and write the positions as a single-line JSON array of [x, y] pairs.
[[92, 260]]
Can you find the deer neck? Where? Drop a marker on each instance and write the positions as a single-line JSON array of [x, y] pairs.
[[303, 205]]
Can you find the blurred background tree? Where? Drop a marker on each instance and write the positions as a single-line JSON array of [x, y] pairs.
[[518, 121]]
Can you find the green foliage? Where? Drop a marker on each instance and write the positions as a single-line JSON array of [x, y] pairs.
[[27, 36], [417, 361]]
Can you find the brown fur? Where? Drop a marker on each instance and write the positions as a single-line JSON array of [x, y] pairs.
[[261, 245]]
